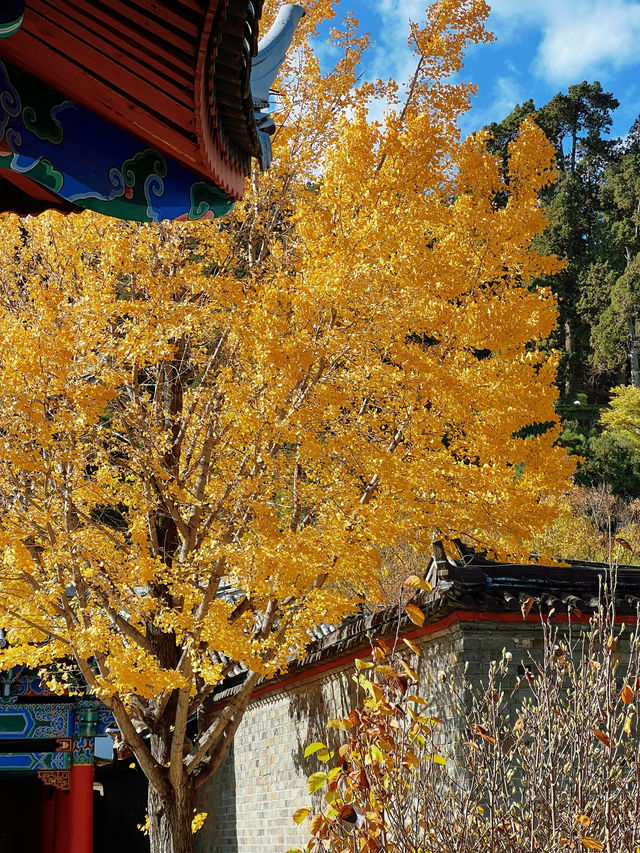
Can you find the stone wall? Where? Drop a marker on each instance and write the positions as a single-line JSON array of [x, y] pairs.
[[251, 799]]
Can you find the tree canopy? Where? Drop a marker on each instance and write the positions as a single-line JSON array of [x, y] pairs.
[[211, 430]]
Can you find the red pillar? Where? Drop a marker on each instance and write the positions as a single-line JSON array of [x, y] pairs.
[[81, 808], [63, 822], [47, 819]]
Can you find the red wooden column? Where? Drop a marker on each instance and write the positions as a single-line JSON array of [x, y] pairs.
[[81, 807], [47, 819], [62, 822], [81, 781]]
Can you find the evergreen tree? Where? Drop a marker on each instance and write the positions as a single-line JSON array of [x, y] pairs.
[[615, 330]]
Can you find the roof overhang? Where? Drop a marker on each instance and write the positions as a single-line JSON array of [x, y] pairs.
[[139, 110]]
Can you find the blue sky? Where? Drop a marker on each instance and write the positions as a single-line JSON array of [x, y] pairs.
[[542, 47]]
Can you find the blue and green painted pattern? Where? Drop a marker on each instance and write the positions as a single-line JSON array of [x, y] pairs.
[[69, 728], [32, 761], [51, 720], [84, 160]]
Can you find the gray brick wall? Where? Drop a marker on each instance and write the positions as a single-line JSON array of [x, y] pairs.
[[251, 799]]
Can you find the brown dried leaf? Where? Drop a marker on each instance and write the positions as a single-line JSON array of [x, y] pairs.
[[348, 813], [316, 824], [526, 606], [604, 738], [627, 695], [480, 730]]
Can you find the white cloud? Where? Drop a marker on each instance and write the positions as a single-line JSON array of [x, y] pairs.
[[507, 92], [580, 38], [391, 55]]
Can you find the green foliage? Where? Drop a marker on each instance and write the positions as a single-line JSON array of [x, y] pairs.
[[610, 459], [623, 417]]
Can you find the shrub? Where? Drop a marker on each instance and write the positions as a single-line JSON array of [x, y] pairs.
[[549, 759]]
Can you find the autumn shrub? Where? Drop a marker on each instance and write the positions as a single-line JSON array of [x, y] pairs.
[[548, 757]]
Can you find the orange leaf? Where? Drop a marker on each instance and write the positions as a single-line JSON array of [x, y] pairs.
[[415, 649], [627, 695], [379, 654], [583, 819], [408, 670], [415, 614], [418, 583], [385, 669], [386, 648], [344, 724], [411, 759]]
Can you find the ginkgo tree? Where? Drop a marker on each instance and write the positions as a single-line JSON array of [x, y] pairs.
[[210, 431]]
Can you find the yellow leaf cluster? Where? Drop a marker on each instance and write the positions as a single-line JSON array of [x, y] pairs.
[[210, 429]]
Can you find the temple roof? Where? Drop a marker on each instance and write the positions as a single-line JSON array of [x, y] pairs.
[[174, 75], [467, 588]]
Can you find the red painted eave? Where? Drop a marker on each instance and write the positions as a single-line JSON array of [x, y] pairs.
[[142, 66]]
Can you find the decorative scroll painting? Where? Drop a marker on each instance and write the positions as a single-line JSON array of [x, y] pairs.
[[83, 159], [35, 721]]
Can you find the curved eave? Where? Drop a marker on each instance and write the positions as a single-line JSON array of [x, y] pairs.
[[153, 70], [51, 146]]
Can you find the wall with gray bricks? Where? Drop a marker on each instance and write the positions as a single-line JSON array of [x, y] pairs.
[[251, 799]]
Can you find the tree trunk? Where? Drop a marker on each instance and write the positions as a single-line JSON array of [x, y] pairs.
[[634, 349], [570, 379], [170, 820]]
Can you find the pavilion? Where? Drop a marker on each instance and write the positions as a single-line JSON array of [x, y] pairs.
[[144, 110]]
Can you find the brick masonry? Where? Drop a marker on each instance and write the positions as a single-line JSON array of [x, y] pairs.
[[251, 799]]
